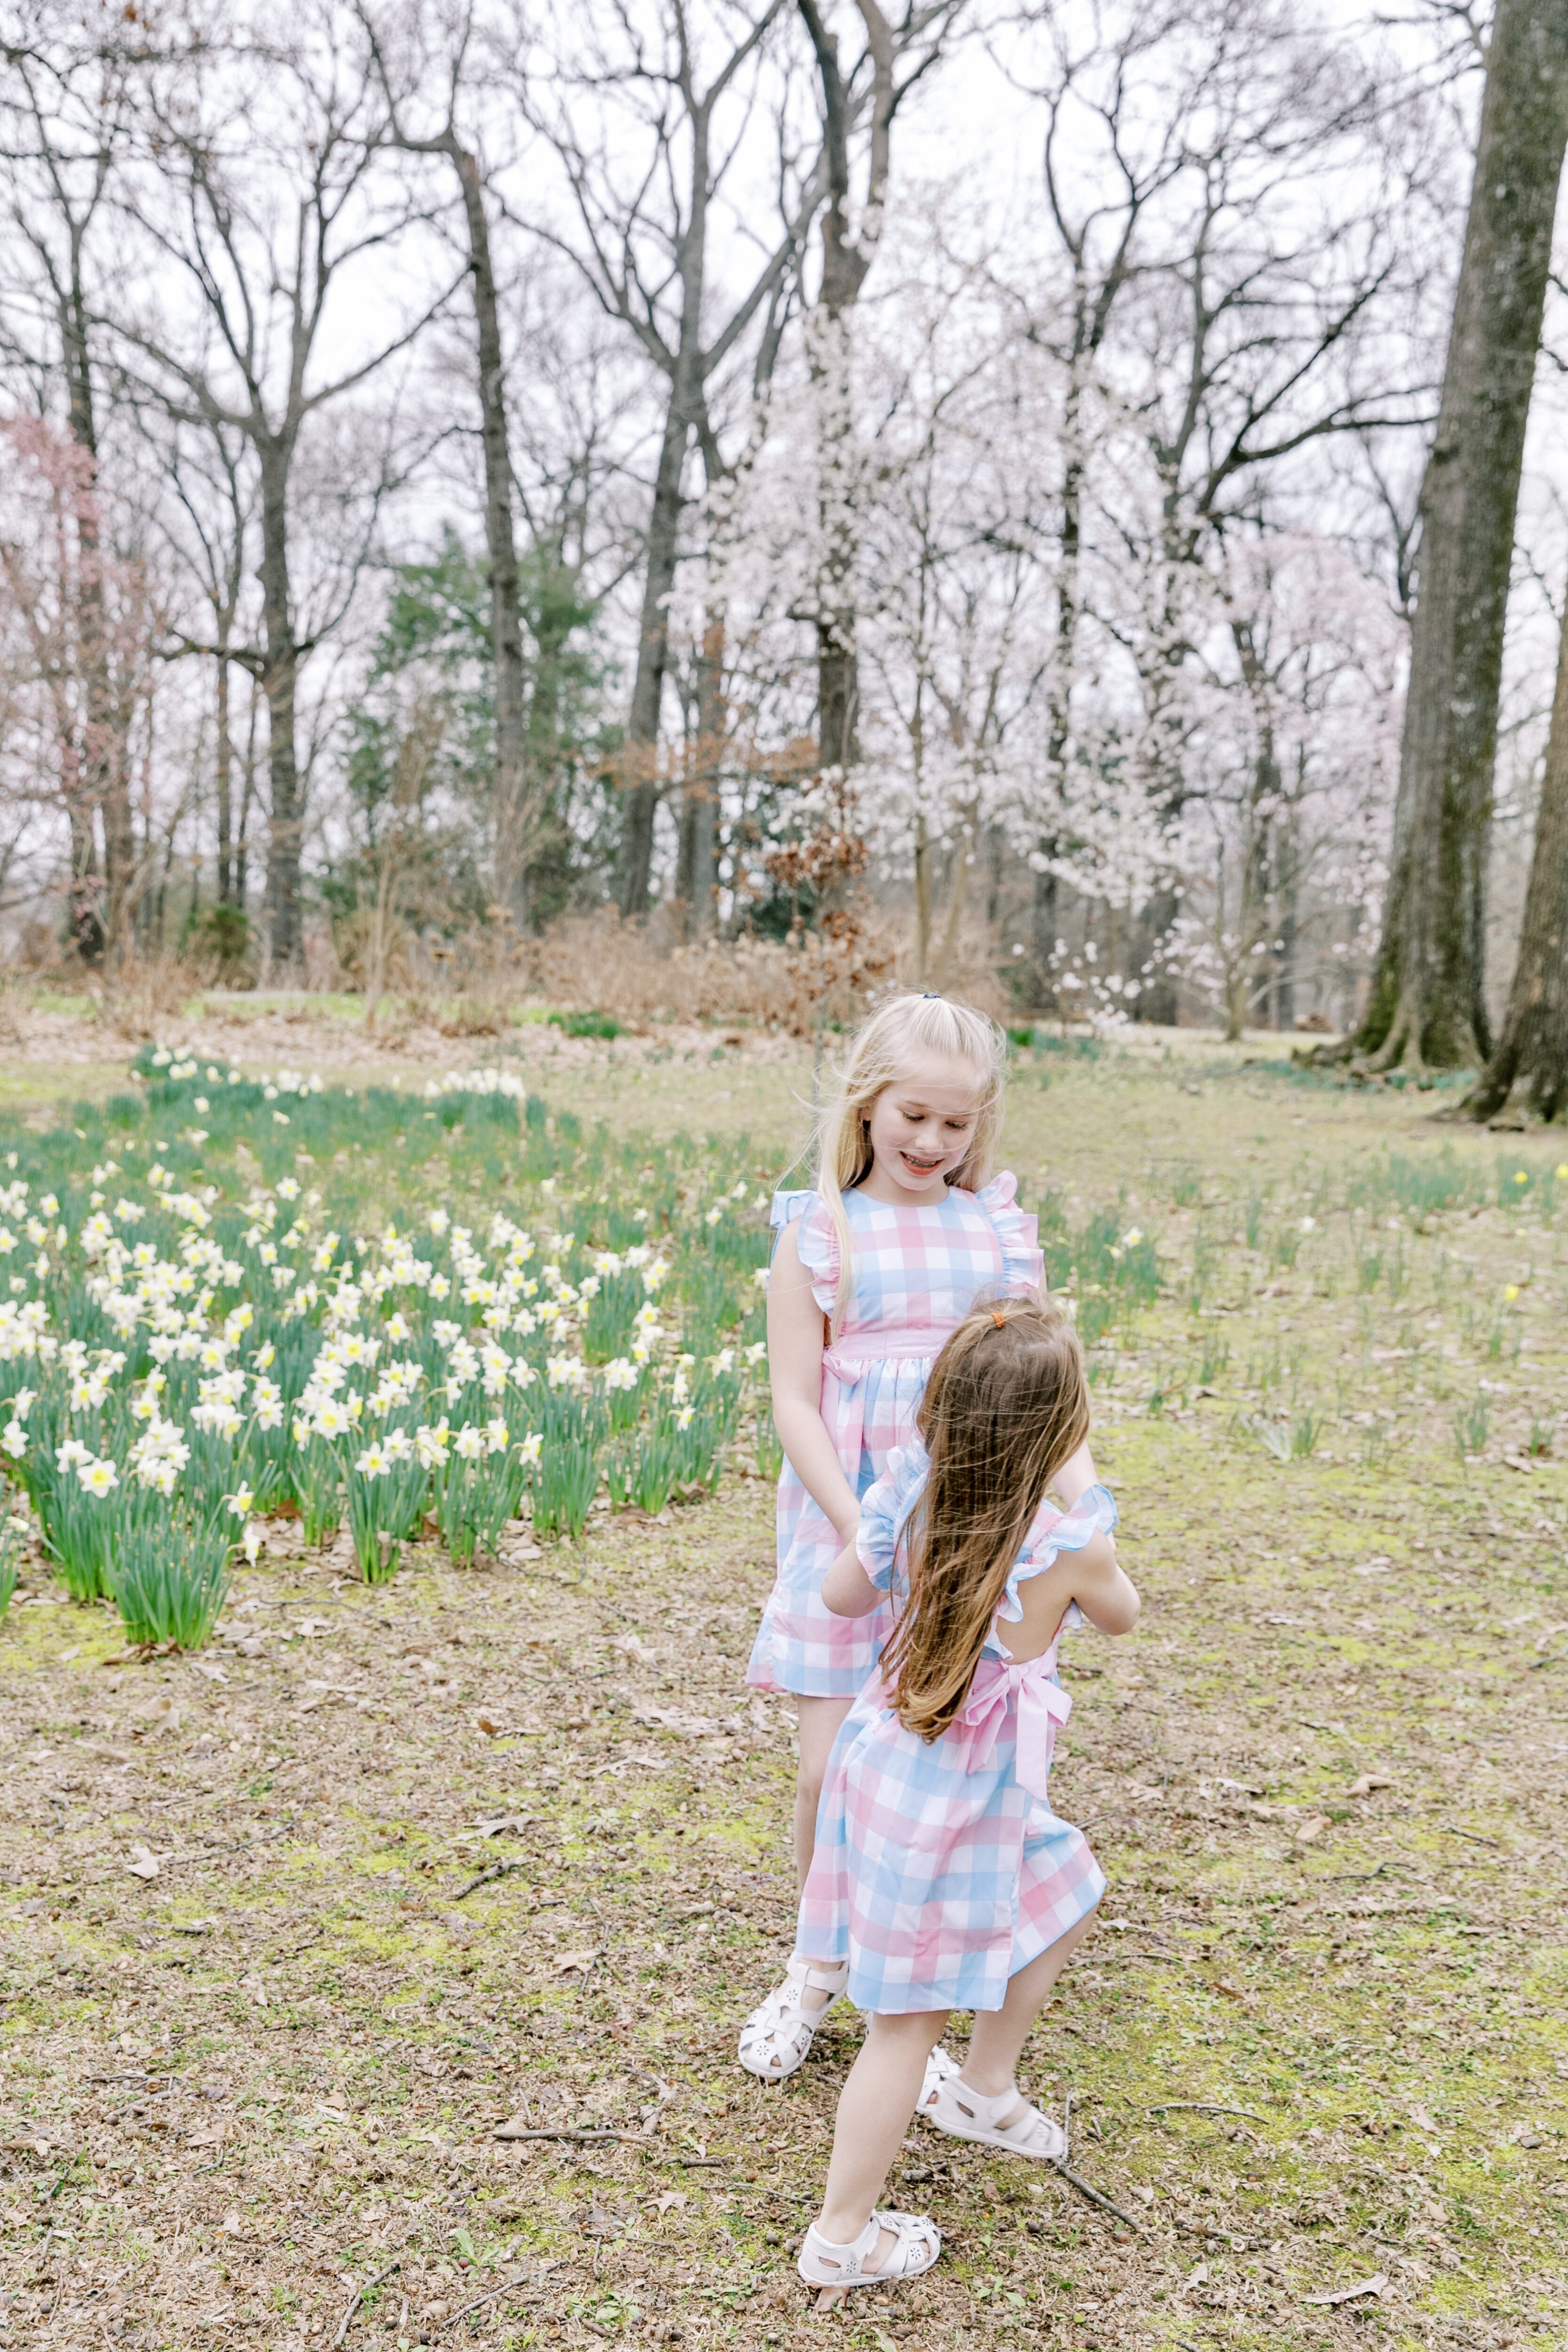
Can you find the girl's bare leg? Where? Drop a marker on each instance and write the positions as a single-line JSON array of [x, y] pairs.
[[874, 2111], [819, 1719], [997, 2041]]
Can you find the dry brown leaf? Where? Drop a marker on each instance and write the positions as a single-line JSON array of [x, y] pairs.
[[1373, 2285]]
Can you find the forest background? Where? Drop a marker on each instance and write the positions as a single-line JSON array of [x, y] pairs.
[[846, 493]]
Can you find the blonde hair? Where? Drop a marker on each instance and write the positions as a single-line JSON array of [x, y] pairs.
[[881, 1052], [1006, 1406]]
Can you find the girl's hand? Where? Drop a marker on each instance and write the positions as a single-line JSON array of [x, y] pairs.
[[846, 1590]]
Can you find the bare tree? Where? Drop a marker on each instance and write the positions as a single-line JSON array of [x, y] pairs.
[[64, 118], [414, 68], [1222, 271], [1428, 1006], [260, 253], [645, 251], [895, 55], [213, 497]]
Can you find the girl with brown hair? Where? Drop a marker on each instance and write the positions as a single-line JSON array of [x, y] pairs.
[[905, 1227], [941, 1878]]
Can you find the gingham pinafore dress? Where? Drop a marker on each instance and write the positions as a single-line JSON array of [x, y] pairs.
[[940, 1869], [918, 1271]]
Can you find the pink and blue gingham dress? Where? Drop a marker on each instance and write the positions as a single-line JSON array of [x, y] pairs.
[[940, 1868], [918, 1271]]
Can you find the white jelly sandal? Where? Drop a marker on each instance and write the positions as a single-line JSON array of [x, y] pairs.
[[776, 2037], [948, 2101], [916, 2243]]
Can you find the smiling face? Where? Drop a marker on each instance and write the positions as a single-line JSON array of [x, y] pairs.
[[921, 1127]]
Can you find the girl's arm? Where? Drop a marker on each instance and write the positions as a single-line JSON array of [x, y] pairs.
[[795, 1373], [1092, 1577], [847, 1588]]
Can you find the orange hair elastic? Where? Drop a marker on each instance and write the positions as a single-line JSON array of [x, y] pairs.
[[998, 1317]]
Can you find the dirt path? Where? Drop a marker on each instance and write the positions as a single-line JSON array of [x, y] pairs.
[[263, 2007]]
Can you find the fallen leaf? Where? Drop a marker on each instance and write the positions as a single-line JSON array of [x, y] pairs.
[[1234, 1992], [506, 1821], [233, 2227], [1198, 2274], [564, 1962], [673, 2201], [192, 1927], [1308, 1831], [1373, 2285], [1366, 1782], [635, 1648], [160, 1714], [141, 1862]]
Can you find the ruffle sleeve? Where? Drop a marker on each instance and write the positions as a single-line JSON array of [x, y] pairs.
[[1053, 1532], [1023, 1265], [884, 1508], [817, 1242]]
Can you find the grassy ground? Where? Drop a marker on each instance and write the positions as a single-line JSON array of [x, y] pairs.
[[264, 2007]]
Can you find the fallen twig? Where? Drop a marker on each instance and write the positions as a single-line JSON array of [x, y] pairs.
[[554, 2131], [506, 2286], [1086, 2188], [1204, 2107], [1232, 2238], [496, 1870], [359, 2293]]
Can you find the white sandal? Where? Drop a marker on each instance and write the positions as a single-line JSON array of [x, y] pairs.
[[948, 2101], [918, 2242], [776, 2037]]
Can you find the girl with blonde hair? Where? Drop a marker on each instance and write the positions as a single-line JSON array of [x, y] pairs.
[[874, 1267], [941, 1879]]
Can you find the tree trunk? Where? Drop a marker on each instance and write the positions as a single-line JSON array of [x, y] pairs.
[[846, 261], [1531, 1054], [838, 657], [511, 778], [1428, 1005], [223, 778], [246, 802], [93, 910], [1287, 898], [697, 877], [653, 660], [279, 681]]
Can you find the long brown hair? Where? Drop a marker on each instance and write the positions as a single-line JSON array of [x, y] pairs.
[[1006, 1407]]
